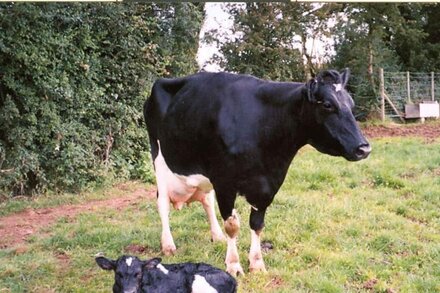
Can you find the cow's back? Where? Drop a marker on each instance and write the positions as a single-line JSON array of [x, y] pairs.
[[200, 119]]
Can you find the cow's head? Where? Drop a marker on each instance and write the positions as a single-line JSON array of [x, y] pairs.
[[328, 108], [128, 272]]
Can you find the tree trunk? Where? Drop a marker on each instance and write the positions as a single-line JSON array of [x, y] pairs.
[[370, 69], [308, 65]]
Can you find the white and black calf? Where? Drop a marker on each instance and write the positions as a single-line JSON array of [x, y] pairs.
[[237, 135], [133, 275]]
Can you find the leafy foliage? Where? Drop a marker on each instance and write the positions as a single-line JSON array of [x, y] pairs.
[[262, 43], [269, 40], [72, 85], [394, 36]]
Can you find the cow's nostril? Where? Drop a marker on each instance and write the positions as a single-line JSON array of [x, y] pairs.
[[363, 150]]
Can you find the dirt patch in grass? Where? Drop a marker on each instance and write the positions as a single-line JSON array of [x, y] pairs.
[[436, 172], [138, 249], [16, 228], [63, 260], [266, 246], [369, 285], [429, 131], [275, 283]]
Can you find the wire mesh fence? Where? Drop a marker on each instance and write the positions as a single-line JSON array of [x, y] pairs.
[[395, 85], [401, 88]]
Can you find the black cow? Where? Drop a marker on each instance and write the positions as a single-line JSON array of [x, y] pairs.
[[238, 134], [133, 275]]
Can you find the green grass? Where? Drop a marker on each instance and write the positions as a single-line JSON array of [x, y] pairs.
[[336, 226]]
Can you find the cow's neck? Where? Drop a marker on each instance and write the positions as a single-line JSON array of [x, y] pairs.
[[292, 135], [307, 125]]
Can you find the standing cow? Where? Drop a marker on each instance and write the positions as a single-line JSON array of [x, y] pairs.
[[237, 134]]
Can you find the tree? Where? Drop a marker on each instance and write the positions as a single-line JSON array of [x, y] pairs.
[[179, 34], [364, 43], [264, 46], [432, 41], [72, 85], [394, 36], [269, 39], [416, 39]]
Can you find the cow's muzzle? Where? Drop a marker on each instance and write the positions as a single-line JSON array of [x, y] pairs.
[[362, 151]]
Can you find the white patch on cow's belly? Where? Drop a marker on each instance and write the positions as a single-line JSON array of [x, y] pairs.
[[181, 189], [200, 285]]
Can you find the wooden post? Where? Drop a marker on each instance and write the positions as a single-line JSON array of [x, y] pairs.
[[432, 86], [393, 107], [408, 86], [382, 94]]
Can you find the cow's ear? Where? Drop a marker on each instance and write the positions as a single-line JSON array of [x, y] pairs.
[[311, 87], [152, 263], [105, 263], [345, 75]]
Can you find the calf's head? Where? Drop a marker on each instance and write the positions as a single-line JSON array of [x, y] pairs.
[[128, 272], [328, 113]]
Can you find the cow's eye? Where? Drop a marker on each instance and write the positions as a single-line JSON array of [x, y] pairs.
[[327, 106]]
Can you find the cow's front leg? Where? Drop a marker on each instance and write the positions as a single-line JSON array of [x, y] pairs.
[[208, 203], [232, 228], [226, 199], [256, 263]]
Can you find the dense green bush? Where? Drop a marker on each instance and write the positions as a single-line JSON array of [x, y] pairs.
[[73, 79]]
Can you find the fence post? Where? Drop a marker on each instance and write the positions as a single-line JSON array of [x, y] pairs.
[[382, 95], [408, 86], [432, 86]]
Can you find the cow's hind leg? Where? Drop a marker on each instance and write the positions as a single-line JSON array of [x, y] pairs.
[[208, 203], [163, 204], [166, 240], [256, 263]]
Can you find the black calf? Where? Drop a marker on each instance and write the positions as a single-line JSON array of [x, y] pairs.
[[133, 275]]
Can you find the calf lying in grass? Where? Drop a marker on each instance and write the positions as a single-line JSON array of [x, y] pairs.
[[133, 275]]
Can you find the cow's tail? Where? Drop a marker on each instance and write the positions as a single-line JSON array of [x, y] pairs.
[[156, 106]]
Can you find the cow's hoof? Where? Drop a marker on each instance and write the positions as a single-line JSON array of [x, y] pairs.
[[234, 269], [256, 263], [257, 266], [169, 250]]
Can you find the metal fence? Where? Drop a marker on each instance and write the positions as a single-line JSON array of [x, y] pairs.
[[401, 88]]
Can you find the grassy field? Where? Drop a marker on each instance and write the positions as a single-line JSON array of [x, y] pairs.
[[336, 226]]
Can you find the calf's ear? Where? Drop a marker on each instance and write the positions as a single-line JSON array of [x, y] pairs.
[[152, 263], [345, 75], [105, 263]]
